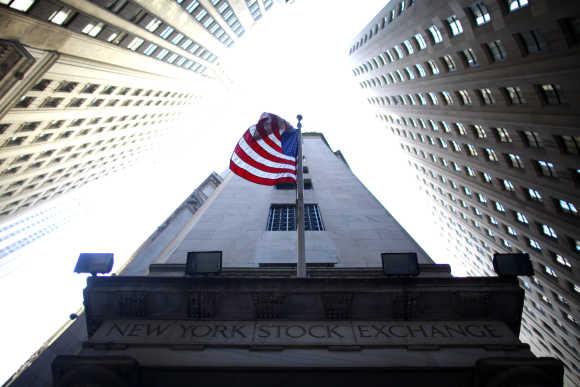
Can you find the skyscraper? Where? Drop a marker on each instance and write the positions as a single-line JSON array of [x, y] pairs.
[[482, 97], [249, 320], [87, 87]]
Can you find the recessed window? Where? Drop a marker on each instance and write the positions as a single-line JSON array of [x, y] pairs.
[[471, 150], [567, 207], [562, 261], [499, 207], [515, 95], [450, 63], [551, 94], [532, 138], [521, 218], [469, 57], [435, 34], [546, 168], [420, 41], [61, 16], [548, 231], [534, 244], [570, 144], [532, 41], [282, 217], [41, 85], [486, 96], [433, 66], [479, 131], [480, 13], [25, 102], [51, 102], [503, 135], [150, 49], [465, 98], [409, 47], [508, 185], [496, 50], [454, 25], [515, 161], [93, 28], [514, 5], [551, 272], [153, 25], [135, 43], [534, 195]]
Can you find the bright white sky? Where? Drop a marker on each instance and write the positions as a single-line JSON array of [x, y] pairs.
[[293, 61]]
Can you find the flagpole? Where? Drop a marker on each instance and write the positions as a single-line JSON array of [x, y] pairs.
[[301, 262]]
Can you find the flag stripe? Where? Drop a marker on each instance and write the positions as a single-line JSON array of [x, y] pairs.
[[263, 155], [266, 165], [259, 148]]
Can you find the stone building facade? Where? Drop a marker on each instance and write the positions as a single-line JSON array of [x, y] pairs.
[[483, 98]]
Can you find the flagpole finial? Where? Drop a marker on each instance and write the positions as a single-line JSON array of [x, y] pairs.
[[299, 118]]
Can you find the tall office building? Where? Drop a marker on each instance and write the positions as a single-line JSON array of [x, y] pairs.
[[212, 296], [483, 98], [88, 87]]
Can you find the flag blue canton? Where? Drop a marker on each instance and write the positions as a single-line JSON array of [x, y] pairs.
[[290, 142]]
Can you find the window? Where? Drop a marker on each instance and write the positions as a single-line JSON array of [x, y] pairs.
[[514, 5], [454, 25], [567, 207], [282, 217], [532, 138], [448, 60], [515, 95], [20, 5], [471, 150], [461, 128], [60, 17], [491, 155], [135, 43], [51, 102], [435, 34], [399, 51], [479, 131], [469, 57], [153, 25], [534, 244], [420, 41], [409, 47], [551, 94], [480, 13], [496, 50], [464, 96], [25, 102], [570, 144], [548, 231], [521, 218], [433, 66], [562, 261], [93, 28], [448, 100], [486, 177], [503, 135], [534, 194], [150, 48], [546, 168], [421, 70], [532, 41], [512, 231], [508, 185], [499, 207], [486, 96], [515, 160]]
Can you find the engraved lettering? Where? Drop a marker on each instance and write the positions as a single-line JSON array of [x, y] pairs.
[[395, 333], [156, 330], [458, 330], [436, 331], [312, 332], [381, 330], [136, 330], [332, 331], [263, 332], [237, 330], [220, 329], [195, 328], [491, 331], [120, 331], [474, 330], [301, 331], [363, 331]]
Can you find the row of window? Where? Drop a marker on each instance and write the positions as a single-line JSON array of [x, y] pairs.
[[478, 11], [395, 12], [481, 199], [99, 29], [203, 17], [551, 94]]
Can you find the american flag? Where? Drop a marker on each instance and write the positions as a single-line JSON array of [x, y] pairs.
[[266, 153]]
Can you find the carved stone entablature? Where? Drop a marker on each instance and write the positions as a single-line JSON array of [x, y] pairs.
[[14, 62], [405, 306], [202, 305], [267, 305], [471, 304], [337, 306], [132, 304]]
